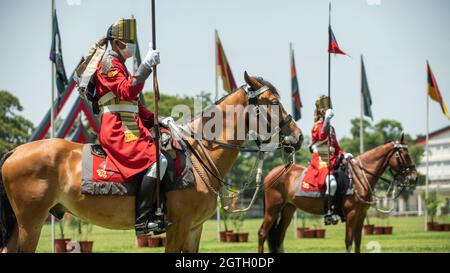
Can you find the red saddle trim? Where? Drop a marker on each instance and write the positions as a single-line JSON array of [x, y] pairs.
[[104, 170]]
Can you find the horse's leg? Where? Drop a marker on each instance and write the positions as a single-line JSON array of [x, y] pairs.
[[349, 230], [267, 223], [30, 177], [30, 230], [177, 234], [285, 219], [357, 232], [271, 213], [193, 240], [31, 200]]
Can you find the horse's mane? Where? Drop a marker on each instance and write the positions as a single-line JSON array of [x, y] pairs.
[[268, 84], [226, 96], [375, 150], [258, 79], [209, 107]]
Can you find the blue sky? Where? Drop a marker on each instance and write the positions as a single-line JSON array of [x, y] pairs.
[[395, 36]]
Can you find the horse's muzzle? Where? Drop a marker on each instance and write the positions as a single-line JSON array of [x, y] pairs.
[[293, 142], [413, 178]]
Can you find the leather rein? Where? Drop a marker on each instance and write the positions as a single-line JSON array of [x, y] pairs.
[[398, 176], [252, 96]]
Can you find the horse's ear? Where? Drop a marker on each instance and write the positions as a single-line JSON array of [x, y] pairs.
[[246, 77], [254, 84], [402, 138]]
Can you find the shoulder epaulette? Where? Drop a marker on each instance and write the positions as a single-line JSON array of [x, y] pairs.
[[106, 64]]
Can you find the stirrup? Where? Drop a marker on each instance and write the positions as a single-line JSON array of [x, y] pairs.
[[146, 227], [330, 219], [161, 228]]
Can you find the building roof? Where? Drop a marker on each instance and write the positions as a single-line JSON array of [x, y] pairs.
[[421, 140]]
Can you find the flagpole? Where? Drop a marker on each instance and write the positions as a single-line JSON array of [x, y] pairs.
[[52, 117], [361, 133], [216, 56], [428, 156], [293, 156]]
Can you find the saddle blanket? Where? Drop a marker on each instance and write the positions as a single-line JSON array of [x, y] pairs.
[[101, 177], [345, 186]]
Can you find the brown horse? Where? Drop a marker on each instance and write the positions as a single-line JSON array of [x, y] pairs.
[[44, 175], [281, 202]]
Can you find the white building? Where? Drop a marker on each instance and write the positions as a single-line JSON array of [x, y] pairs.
[[438, 163]]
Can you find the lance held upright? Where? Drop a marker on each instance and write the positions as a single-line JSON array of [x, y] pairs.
[[333, 47]]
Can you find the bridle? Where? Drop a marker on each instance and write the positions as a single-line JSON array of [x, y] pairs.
[[401, 178], [406, 169], [284, 142], [253, 99]]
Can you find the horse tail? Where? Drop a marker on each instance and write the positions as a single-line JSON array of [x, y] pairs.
[[7, 217]]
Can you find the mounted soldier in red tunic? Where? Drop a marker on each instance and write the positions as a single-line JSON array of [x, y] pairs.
[[325, 151], [125, 122]]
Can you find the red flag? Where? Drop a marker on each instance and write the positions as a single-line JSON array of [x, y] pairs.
[[295, 93], [333, 46], [434, 93], [223, 67]]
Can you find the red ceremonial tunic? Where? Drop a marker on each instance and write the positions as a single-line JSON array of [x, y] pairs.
[[318, 168], [130, 157]]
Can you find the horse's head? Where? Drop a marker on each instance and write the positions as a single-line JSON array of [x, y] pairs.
[[401, 164], [263, 97]]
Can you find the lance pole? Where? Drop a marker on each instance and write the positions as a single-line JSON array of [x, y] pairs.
[[156, 114], [329, 103]]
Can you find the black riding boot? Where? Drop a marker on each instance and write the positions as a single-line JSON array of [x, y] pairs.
[[339, 206], [145, 206], [329, 218]]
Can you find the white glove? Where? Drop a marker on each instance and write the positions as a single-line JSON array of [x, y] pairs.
[[152, 57], [329, 114], [348, 156], [166, 121]]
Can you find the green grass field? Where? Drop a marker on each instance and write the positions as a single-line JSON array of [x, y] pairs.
[[408, 236]]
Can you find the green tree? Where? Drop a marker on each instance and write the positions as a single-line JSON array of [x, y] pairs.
[[168, 102], [14, 128], [303, 156]]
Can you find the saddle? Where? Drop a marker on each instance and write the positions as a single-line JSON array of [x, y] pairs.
[[344, 184], [101, 177], [344, 188]]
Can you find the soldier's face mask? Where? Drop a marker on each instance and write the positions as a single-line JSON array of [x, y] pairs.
[[128, 51]]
